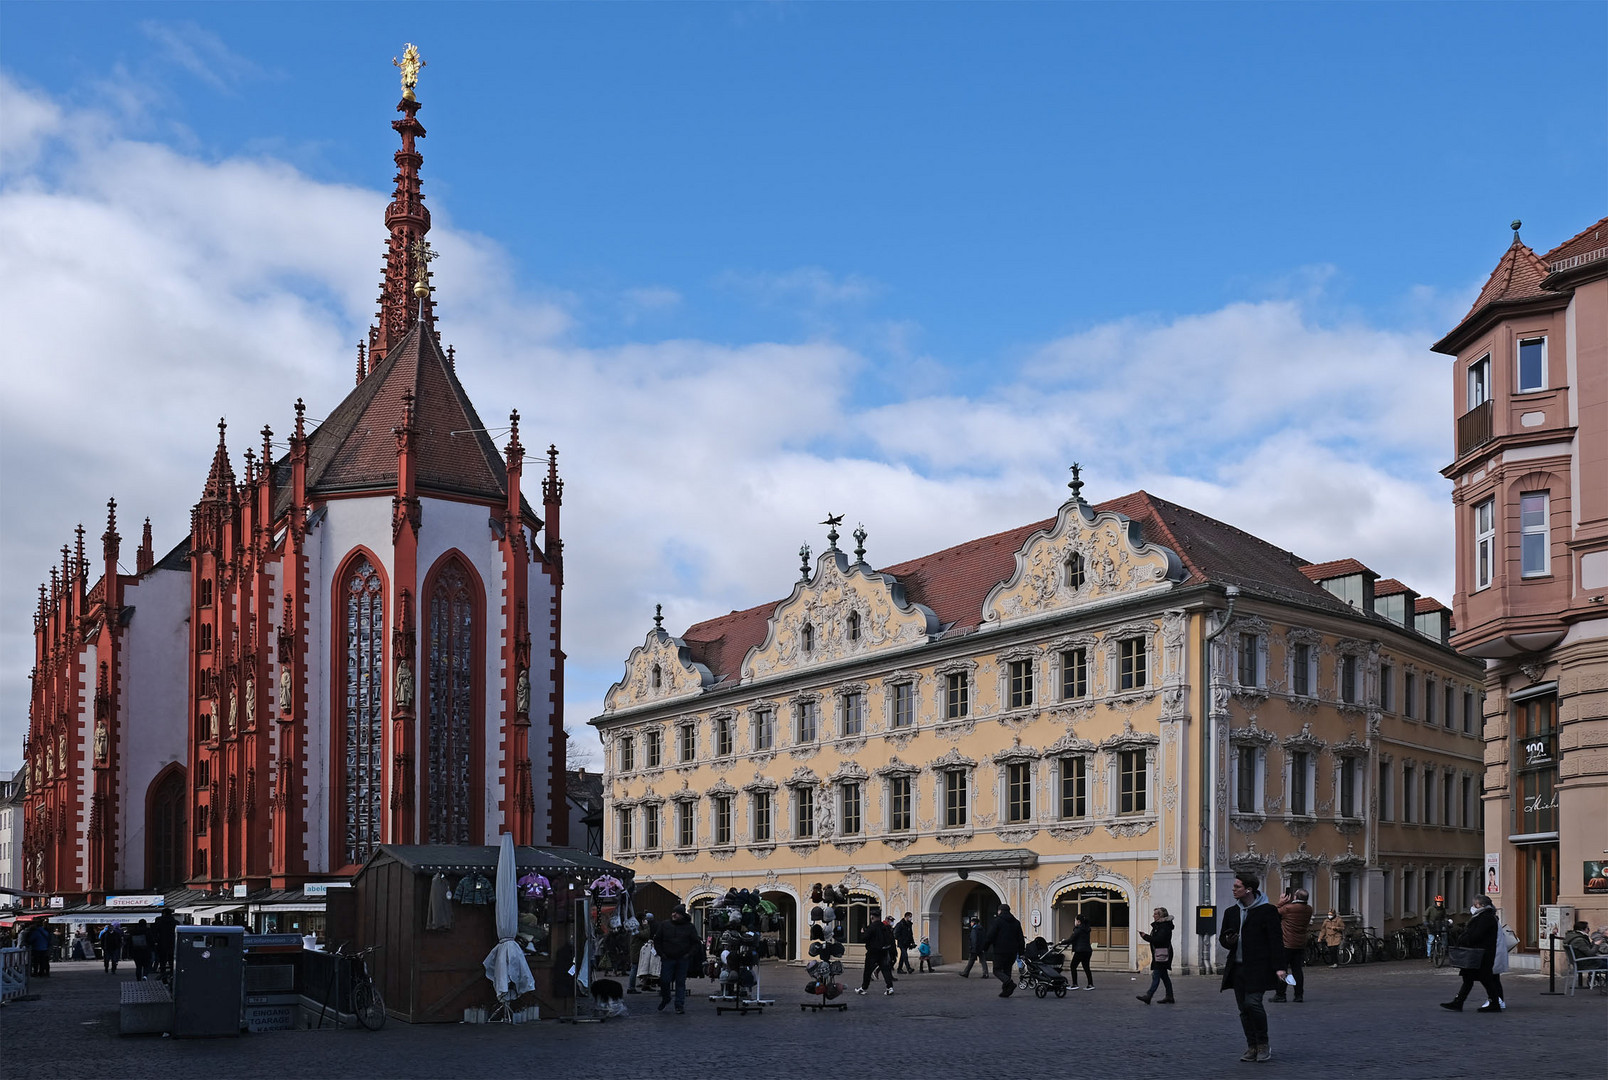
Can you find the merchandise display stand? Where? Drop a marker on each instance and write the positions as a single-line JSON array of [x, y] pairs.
[[585, 954], [826, 952]]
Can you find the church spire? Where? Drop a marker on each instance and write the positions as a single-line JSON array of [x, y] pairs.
[[221, 478], [407, 220]]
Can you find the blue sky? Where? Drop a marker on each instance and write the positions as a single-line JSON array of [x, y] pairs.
[[905, 259]]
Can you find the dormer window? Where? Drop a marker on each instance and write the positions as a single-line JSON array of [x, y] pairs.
[[1074, 571], [658, 677], [807, 638], [854, 626]]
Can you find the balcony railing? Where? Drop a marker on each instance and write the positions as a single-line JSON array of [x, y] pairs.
[[1474, 428]]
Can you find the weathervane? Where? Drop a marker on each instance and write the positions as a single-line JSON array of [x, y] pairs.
[[410, 65]]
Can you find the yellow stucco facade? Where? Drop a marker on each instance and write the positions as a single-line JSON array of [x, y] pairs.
[[1045, 750]]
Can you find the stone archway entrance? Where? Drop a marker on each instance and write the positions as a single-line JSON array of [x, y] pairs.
[[950, 912]]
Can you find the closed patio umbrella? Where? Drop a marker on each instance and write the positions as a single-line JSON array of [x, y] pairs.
[[505, 965]]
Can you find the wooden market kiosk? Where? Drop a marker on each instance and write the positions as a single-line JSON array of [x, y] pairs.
[[431, 975]]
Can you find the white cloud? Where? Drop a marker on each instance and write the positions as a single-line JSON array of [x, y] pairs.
[[146, 292], [200, 52]]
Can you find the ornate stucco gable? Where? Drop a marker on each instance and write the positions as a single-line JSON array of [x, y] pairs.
[[1086, 558], [845, 609], [660, 669]]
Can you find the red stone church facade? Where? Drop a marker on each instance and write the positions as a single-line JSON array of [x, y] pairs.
[[358, 643]]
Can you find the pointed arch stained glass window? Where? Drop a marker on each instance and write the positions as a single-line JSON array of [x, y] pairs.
[[364, 728], [452, 621]]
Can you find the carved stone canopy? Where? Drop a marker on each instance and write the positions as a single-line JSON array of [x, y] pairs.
[[1304, 740], [1250, 736], [951, 759], [1128, 738], [896, 767]]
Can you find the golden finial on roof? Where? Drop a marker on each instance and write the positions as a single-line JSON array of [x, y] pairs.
[[410, 65], [423, 255]]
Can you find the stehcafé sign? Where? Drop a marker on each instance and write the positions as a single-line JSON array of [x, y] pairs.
[[137, 901], [322, 888]]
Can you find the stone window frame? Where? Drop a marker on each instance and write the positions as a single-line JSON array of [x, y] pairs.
[[1356, 752], [796, 703], [625, 754], [1357, 650], [896, 770], [890, 685], [723, 734], [624, 820], [804, 784], [1126, 742], [755, 793], [1058, 650], [759, 711], [1295, 637], [967, 670], [1003, 761], [650, 807], [683, 726], [1384, 788], [1003, 663], [954, 762], [1303, 742], [686, 803], [1254, 741], [1149, 633], [840, 705], [651, 734], [1262, 634]]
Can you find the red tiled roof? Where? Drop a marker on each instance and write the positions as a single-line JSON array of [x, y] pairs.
[[1337, 568], [1517, 276], [1590, 238], [954, 582], [1426, 604], [354, 448], [1389, 587]]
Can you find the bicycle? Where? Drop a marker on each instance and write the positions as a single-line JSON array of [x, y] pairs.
[[367, 1004]]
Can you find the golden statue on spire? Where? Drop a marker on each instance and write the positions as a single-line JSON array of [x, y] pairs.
[[410, 65], [423, 256]]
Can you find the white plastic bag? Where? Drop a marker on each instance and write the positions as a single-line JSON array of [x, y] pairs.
[[1505, 943]]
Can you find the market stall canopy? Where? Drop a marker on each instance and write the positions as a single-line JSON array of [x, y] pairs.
[[462, 858]]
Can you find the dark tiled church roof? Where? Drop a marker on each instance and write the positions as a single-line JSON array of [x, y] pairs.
[[954, 582], [354, 449]]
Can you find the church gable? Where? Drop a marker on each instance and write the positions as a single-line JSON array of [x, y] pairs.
[[844, 610], [660, 669], [1088, 557]]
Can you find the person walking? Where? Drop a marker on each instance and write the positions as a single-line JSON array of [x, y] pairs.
[[1295, 915], [111, 940], [1160, 939], [1483, 932], [139, 949], [1254, 938], [676, 941], [39, 945], [904, 935], [924, 951], [1006, 939], [1330, 935], [879, 946], [164, 931], [1082, 949], [975, 936]]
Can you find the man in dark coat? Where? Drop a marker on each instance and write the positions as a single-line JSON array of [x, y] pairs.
[[974, 937], [166, 929], [878, 954], [904, 935], [1005, 937], [676, 941], [1254, 938], [1480, 933]]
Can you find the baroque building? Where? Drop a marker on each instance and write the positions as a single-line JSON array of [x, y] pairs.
[[1530, 488], [358, 642], [1102, 712]]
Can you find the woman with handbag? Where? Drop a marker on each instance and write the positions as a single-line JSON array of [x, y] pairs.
[[1475, 957], [1160, 938]]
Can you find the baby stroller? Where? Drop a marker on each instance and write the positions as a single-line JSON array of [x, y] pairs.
[[1040, 968]]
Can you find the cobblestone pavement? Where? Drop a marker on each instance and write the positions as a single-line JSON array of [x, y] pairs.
[[1376, 1020]]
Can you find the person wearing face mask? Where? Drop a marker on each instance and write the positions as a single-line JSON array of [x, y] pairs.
[[1482, 933], [1330, 935]]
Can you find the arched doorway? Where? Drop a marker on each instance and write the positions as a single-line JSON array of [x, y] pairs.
[[787, 909], [950, 914], [166, 841], [1106, 908]]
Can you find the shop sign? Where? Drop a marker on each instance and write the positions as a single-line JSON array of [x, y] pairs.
[[1534, 805], [1597, 878], [321, 888], [58, 901], [1537, 751], [239, 892], [153, 900]]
